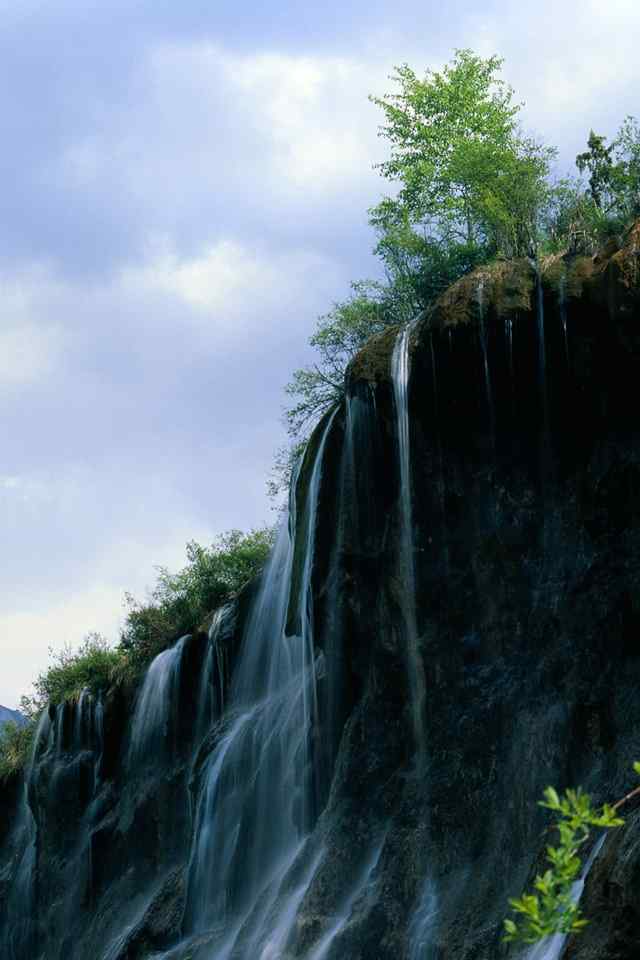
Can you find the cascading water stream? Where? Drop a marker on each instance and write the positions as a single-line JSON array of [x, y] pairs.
[[562, 304], [250, 867], [340, 920], [400, 374], [423, 925], [508, 329], [88, 730], [441, 472], [156, 708], [546, 464], [485, 359], [211, 700], [18, 928], [542, 352]]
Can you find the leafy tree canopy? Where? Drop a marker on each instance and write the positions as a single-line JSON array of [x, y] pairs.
[[466, 171], [470, 186]]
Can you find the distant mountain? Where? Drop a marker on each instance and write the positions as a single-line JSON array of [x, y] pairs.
[[6, 714]]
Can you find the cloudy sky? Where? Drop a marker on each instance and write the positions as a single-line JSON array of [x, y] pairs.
[[183, 189]]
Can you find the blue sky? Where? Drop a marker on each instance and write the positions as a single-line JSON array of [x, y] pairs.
[[184, 189]]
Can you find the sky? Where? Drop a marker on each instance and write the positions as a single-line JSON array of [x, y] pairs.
[[183, 190]]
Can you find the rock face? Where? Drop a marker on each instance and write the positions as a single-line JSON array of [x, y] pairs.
[[346, 769]]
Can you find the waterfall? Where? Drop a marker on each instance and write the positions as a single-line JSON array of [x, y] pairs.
[[551, 948], [341, 919], [18, 910], [156, 709], [485, 358], [441, 473], [87, 723], [542, 354], [562, 302], [400, 375], [88, 730], [211, 699], [423, 924], [546, 464], [508, 332], [250, 863]]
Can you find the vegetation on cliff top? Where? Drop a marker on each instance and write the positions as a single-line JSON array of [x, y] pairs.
[[470, 186], [178, 604]]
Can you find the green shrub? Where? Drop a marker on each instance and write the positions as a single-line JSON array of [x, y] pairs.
[[181, 601], [178, 604], [91, 666], [16, 740]]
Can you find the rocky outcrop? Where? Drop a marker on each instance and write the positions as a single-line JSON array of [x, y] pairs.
[[525, 474]]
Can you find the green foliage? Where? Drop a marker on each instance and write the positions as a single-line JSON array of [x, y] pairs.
[[471, 185], [338, 336], [284, 464], [418, 267], [583, 218], [90, 666], [177, 604], [549, 908], [16, 742], [614, 172], [180, 602], [598, 161], [467, 173], [572, 221]]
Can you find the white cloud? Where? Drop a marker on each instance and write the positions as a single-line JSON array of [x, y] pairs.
[[25, 638], [229, 286], [26, 353], [314, 111], [97, 605], [30, 341], [214, 127], [574, 64]]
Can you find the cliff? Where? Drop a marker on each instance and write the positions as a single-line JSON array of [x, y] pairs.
[[347, 766]]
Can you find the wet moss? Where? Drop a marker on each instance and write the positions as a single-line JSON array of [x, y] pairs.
[[507, 286], [373, 363]]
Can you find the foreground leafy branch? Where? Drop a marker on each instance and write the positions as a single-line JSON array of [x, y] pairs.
[[550, 908]]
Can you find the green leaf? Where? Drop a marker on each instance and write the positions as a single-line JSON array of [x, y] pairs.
[[552, 800]]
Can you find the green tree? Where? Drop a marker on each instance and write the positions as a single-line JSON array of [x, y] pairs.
[[627, 147], [466, 171], [471, 185], [599, 162], [612, 200], [418, 266], [338, 336]]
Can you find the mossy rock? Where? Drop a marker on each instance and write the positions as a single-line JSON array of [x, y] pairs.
[[373, 363], [507, 287]]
